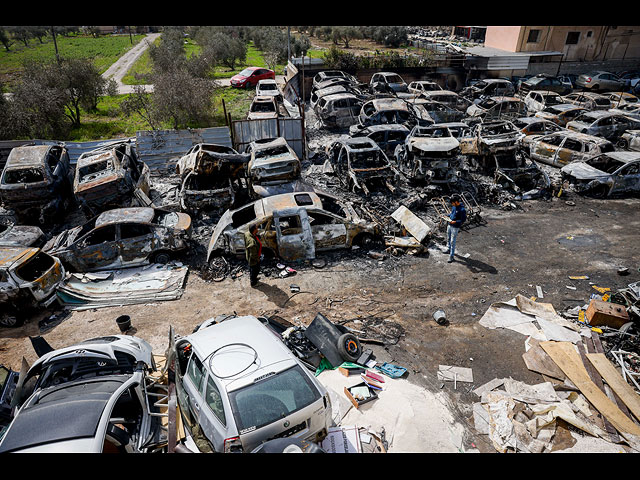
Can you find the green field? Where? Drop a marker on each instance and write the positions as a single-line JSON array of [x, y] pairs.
[[104, 51]]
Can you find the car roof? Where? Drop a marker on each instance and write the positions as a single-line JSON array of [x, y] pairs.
[[389, 104], [126, 215], [580, 136], [27, 156], [626, 157], [68, 411], [12, 255], [237, 337]]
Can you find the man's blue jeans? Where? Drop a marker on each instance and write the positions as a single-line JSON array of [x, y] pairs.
[[452, 235]]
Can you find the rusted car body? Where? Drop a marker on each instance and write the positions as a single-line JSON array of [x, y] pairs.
[[383, 111], [292, 226], [536, 125], [488, 87], [28, 277], [360, 164], [331, 75], [211, 176], [560, 148], [422, 86], [36, 182], [516, 172], [108, 177], [491, 138], [449, 98], [561, 114], [265, 107], [622, 98], [430, 154], [605, 175], [123, 237], [436, 111], [274, 167], [12, 235]]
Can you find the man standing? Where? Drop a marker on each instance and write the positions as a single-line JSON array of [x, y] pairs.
[[457, 217], [253, 251]]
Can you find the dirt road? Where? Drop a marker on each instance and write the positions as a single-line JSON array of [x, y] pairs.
[[394, 299]]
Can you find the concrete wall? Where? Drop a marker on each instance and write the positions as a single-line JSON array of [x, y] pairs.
[[505, 38]]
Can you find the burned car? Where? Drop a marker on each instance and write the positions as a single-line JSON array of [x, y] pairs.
[[326, 75], [449, 98], [422, 86], [262, 108], [338, 110], [36, 182], [238, 386], [91, 397], [490, 87], [630, 140], [491, 138], [108, 177], [631, 110], [268, 88], [430, 154], [388, 110], [560, 148], [292, 226], [561, 114], [603, 124], [522, 175], [211, 177], [28, 279], [536, 125], [436, 111], [274, 168], [12, 235], [123, 237], [388, 82], [497, 108], [538, 100], [387, 136], [605, 175], [588, 100], [360, 164], [622, 98]]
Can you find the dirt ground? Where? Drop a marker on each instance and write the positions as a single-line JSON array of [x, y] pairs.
[[393, 300]]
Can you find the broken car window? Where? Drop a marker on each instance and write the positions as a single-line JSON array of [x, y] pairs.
[[23, 175]]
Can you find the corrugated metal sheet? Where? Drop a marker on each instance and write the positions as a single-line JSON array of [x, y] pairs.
[[159, 149], [246, 131]]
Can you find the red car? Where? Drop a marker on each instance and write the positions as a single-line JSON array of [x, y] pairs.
[[250, 76]]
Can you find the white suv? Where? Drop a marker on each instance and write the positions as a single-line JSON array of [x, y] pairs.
[[238, 385]]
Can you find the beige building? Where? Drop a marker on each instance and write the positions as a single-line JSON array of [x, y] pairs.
[[577, 43]]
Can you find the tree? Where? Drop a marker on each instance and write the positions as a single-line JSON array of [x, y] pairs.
[[223, 48], [5, 39], [22, 33], [169, 54], [345, 34], [139, 102]]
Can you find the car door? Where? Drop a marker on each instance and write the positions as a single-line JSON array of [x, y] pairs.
[[137, 243], [570, 150], [545, 148], [98, 249], [214, 414], [328, 231], [193, 382], [627, 178], [293, 234]]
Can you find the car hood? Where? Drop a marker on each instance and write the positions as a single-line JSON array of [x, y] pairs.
[[434, 144], [474, 110], [577, 125], [582, 171], [21, 235]]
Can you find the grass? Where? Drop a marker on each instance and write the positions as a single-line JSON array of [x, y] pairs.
[[104, 51]]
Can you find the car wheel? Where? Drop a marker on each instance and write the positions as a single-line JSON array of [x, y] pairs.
[[161, 257], [600, 191], [364, 240], [349, 347], [622, 143], [11, 321], [248, 85]]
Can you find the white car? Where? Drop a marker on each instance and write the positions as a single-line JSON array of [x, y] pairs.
[[538, 100], [268, 88], [239, 386], [87, 398]]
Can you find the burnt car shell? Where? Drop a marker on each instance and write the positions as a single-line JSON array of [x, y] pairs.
[[36, 180], [21, 236], [85, 248], [28, 276], [273, 162], [606, 174], [107, 177]]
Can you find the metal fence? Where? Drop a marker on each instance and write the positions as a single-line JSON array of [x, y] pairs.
[[159, 149], [292, 129]]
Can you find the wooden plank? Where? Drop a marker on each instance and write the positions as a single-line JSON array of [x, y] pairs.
[[624, 391], [595, 378], [566, 357], [537, 360]]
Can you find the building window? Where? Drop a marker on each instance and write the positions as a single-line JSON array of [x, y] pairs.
[[572, 38], [534, 36], [589, 33]]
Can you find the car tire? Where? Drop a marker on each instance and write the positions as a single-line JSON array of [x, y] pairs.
[[364, 240], [349, 347], [622, 143], [162, 257], [11, 321], [600, 191]]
